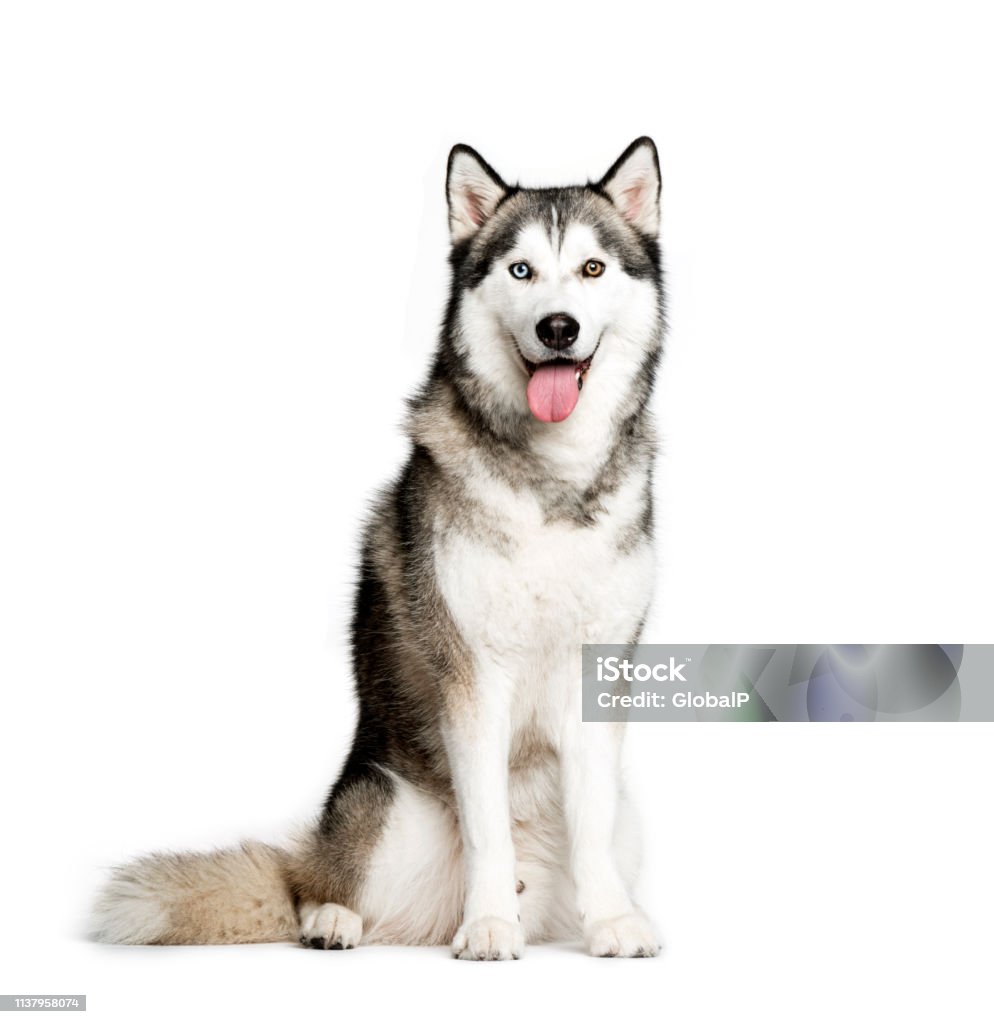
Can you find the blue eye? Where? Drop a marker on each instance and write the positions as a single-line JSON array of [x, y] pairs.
[[521, 271]]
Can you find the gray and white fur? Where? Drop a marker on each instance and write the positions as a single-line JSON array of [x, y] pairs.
[[475, 809]]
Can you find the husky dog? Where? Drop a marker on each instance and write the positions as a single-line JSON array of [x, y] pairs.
[[475, 808]]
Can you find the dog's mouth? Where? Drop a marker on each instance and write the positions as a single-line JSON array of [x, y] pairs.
[[554, 386]]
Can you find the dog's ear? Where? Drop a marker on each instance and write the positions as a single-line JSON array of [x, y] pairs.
[[473, 189], [633, 185]]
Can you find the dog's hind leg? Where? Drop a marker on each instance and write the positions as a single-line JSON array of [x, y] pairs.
[[328, 872], [329, 926], [414, 884], [384, 866]]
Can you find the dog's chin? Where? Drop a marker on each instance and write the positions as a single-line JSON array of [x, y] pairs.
[[553, 385]]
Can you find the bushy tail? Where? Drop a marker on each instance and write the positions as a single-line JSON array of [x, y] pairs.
[[228, 896]]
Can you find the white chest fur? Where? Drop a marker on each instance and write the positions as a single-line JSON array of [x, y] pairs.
[[524, 606]]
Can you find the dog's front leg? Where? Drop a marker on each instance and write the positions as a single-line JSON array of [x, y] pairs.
[[612, 925], [477, 739]]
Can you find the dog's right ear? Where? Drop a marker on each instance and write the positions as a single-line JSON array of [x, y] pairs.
[[473, 189]]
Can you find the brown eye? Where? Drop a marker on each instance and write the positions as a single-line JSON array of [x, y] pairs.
[[593, 268]]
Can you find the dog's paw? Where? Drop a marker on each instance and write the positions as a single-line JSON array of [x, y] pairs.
[[329, 926], [489, 938], [629, 935]]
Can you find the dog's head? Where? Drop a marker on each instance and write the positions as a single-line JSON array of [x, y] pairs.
[[555, 290]]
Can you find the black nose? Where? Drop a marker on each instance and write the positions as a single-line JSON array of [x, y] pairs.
[[558, 331]]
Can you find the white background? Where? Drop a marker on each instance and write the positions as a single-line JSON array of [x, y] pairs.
[[222, 263]]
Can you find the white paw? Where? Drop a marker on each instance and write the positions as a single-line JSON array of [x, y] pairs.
[[489, 938], [628, 935], [329, 926]]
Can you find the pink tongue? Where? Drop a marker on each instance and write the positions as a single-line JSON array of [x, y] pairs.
[[553, 392]]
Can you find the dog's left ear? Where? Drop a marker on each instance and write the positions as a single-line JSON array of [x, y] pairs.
[[633, 185], [473, 189]]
